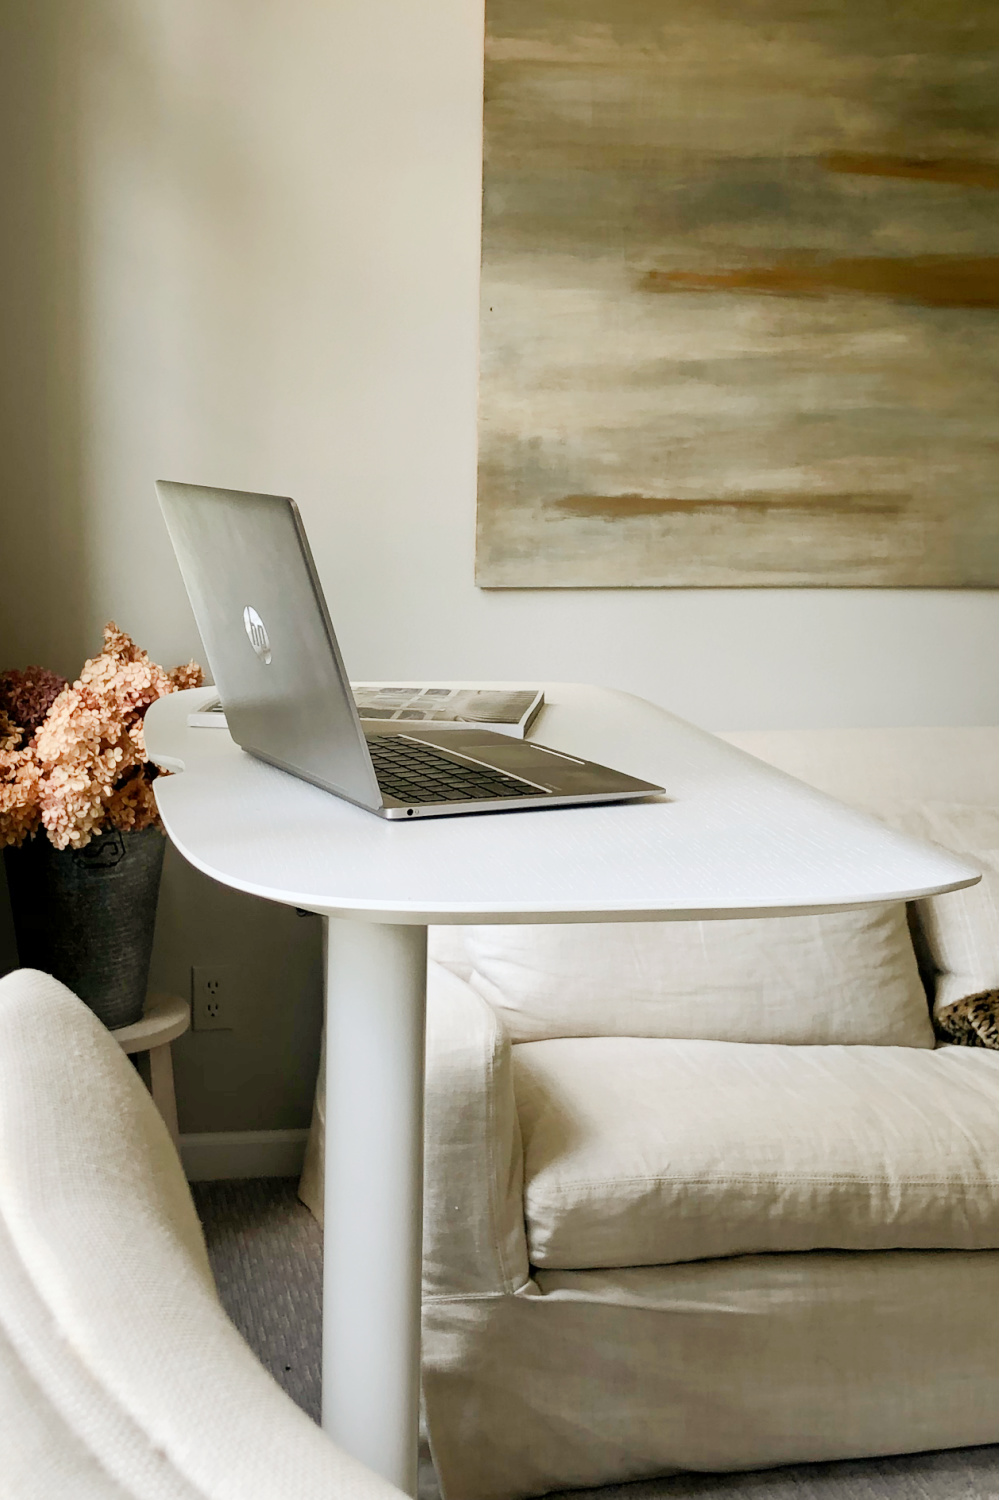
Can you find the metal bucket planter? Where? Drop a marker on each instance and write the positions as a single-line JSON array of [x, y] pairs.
[[87, 916]]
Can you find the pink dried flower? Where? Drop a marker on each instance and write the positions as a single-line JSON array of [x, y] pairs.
[[72, 802], [86, 767], [132, 806], [27, 696], [11, 734], [188, 676], [76, 726], [123, 674], [19, 776]]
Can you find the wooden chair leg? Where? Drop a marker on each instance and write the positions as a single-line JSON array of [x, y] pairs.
[[161, 1086]]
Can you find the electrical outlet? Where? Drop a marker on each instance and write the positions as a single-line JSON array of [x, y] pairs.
[[212, 997]]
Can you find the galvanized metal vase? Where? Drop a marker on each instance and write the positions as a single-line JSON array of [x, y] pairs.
[[87, 916]]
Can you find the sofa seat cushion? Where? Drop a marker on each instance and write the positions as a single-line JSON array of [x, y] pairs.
[[643, 1151]]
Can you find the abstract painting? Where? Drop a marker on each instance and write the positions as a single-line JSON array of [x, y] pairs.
[[738, 281]]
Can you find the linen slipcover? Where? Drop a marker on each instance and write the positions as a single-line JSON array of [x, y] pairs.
[[645, 1152], [121, 1378], [583, 1378], [540, 1379], [960, 928], [801, 979]]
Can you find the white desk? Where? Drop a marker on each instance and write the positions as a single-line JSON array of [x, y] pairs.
[[733, 837]]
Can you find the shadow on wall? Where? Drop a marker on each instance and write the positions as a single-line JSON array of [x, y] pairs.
[[43, 602], [90, 305], [8, 950], [262, 1074]]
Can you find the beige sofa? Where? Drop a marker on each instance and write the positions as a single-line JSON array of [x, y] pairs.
[[708, 1196]]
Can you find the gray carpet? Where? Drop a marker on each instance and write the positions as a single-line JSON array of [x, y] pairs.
[[266, 1251]]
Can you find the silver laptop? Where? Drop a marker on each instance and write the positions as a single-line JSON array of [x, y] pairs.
[[257, 599]]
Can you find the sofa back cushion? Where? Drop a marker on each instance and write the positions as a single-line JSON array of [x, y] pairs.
[[958, 935], [878, 768], [847, 977]]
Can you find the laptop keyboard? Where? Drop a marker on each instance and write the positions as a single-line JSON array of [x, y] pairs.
[[414, 772]]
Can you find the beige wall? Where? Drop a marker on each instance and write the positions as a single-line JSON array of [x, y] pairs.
[[244, 250]]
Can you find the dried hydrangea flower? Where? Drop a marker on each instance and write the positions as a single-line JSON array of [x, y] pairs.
[[19, 777], [72, 801], [11, 734], [132, 806], [75, 728], [26, 697], [124, 675], [189, 675], [86, 767]]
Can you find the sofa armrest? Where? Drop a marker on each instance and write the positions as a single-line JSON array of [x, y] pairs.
[[474, 1240]]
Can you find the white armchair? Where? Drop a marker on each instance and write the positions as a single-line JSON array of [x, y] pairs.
[[121, 1378]]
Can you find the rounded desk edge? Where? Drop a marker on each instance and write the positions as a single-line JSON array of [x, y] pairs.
[[170, 738]]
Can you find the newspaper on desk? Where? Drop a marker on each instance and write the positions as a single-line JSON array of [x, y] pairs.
[[507, 711]]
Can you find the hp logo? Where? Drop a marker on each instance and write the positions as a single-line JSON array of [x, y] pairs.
[[257, 634]]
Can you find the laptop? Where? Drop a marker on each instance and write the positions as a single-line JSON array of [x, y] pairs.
[[270, 643]]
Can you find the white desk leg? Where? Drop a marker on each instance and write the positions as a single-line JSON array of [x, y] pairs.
[[373, 1195]]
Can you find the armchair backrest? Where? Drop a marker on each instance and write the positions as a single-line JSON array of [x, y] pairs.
[[121, 1378]]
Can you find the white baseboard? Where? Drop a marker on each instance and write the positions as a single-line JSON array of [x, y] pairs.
[[217, 1154]]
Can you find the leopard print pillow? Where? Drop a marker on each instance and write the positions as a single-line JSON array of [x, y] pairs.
[[969, 1022]]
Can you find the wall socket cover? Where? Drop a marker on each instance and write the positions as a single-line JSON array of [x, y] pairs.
[[213, 991]]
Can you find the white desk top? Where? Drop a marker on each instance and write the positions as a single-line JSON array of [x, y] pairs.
[[733, 836]]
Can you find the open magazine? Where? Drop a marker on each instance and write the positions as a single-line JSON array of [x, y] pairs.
[[506, 711]]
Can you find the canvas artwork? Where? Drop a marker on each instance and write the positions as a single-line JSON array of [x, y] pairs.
[[738, 284]]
